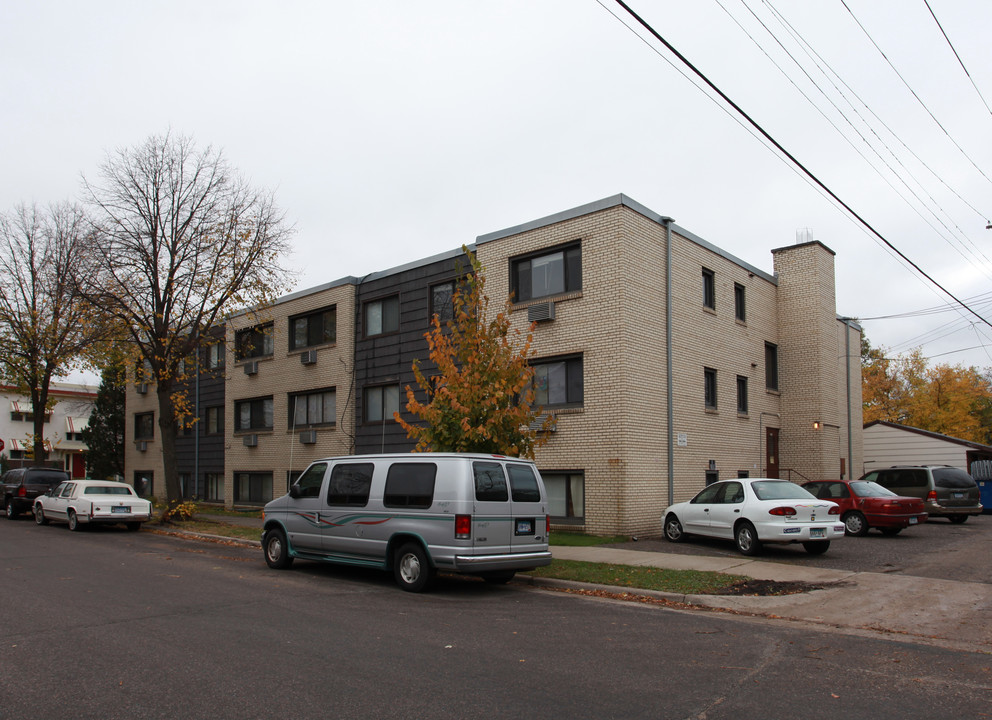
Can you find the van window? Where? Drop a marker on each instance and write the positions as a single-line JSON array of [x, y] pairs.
[[350, 484], [310, 481], [952, 478], [410, 485], [490, 483], [523, 483]]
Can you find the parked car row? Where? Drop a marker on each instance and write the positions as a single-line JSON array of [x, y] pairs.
[[51, 496], [752, 511]]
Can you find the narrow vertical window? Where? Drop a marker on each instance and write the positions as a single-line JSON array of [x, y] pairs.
[[742, 394], [709, 382], [709, 289], [771, 366], [740, 309]]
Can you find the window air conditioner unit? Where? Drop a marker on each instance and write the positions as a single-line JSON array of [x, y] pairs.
[[538, 423], [541, 312], [251, 368], [308, 437], [142, 445], [309, 357], [250, 440], [142, 388]]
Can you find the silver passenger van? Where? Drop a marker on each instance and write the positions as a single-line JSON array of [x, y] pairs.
[[414, 514]]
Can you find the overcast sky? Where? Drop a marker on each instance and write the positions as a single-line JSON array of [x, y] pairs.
[[391, 131]]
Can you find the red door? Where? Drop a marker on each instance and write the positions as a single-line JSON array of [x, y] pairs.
[[78, 466], [771, 452]]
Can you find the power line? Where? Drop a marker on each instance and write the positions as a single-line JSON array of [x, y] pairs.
[[790, 156], [960, 61]]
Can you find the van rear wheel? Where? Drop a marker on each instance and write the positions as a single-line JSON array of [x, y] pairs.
[[412, 569]]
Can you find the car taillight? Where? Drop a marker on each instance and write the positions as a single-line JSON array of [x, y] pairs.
[[547, 526], [22, 491], [787, 511], [835, 510], [932, 495], [463, 527]]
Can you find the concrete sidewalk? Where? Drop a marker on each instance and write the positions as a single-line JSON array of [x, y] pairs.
[[940, 612]]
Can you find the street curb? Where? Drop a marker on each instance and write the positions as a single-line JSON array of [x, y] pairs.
[[207, 536]]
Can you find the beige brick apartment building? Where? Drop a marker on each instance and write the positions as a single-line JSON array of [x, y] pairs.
[[765, 378]]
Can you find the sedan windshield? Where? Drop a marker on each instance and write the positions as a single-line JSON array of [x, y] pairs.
[[864, 488], [780, 490]]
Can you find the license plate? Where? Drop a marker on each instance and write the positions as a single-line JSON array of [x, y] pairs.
[[525, 526], [817, 532], [912, 521], [120, 509], [958, 495]]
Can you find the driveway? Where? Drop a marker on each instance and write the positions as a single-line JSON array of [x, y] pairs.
[[937, 549]]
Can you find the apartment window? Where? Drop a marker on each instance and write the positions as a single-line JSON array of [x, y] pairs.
[[709, 382], [313, 408], [215, 356], [144, 482], [566, 495], [213, 487], [254, 414], [381, 401], [215, 420], [709, 289], [712, 476], [742, 394], [740, 309], [185, 485], [442, 301], [771, 366], [382, 316], [144, 426], [254, 342], [314, 328], [547, 273], [559, 382], [252, 487]]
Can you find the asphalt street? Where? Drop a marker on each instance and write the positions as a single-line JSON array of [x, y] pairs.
[[112, 624]]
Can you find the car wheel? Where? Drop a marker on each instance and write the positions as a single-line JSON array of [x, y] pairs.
[[276, 550], [73, 521], [746, 538], [816, 547], [499, 578], [956, 519], [673, 529], [133, 526], [412, 569], [9, 510], [39, 515], [855, 524], [890, 532]]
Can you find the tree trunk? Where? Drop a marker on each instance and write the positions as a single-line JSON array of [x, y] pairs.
[[167, 431]]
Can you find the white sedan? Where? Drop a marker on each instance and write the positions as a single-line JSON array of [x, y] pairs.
[[92, 501], [752, 511]]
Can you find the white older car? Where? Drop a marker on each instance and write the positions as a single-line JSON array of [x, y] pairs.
[[752, 511], [78, 502]]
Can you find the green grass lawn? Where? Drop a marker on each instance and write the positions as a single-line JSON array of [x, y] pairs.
[[694, 582]]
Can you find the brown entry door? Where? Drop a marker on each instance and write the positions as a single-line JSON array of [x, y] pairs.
[[771, 452]]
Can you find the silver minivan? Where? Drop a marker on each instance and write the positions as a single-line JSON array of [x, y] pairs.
[[946, 491], [414, 514]]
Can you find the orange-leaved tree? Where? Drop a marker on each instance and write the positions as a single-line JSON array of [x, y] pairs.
[[482, 397]]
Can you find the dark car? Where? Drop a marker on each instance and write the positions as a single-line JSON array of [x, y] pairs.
[[865, 505], [20, 486], [946, 491]]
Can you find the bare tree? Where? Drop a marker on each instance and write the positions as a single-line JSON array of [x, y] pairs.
[[180, 240], [45, 326]]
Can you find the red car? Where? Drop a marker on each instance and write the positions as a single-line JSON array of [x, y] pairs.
[[865, 505]]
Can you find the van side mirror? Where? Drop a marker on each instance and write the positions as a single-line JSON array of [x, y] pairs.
[[294, 491]]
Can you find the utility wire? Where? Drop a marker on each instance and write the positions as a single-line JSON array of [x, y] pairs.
[[960, 61], [791, 157], [911, 90]]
